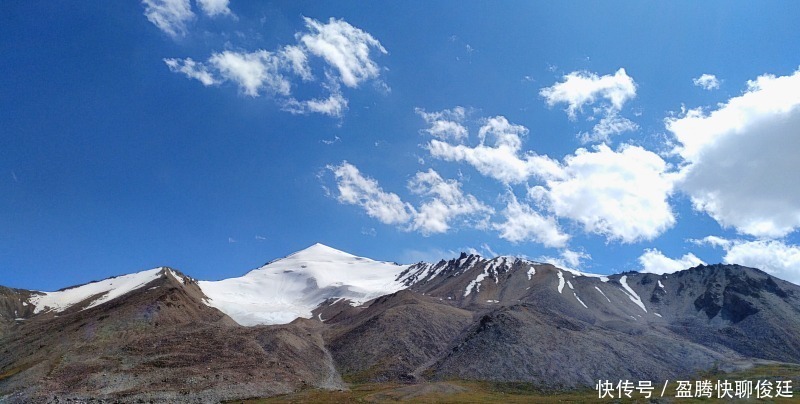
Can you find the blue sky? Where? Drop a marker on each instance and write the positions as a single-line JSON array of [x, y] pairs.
[[213, 136]]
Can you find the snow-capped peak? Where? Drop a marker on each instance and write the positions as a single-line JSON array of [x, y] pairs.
[[102, 291], [293, 286], [321, 251]]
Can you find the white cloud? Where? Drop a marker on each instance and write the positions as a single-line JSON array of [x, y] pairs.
[[568, 259], [706, 82], [619, 194], [741, 160], [170, 16], [355, 189], [214, 8], [501, 161], [525, 224], [713, 241], [334, 105], [344, 47], [585, 88], [446, 124], [772, 256], [297, 59], [610, 124], [655, 262], [445, 202], [192, 69], [574, 259], [254, 72]]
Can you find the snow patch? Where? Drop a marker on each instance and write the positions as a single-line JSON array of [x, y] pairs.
[[476, 283], [570, 285], [560, 281], [492, 301], [604, 295], [579, 300], [631, 294], [661, 285], [657, 314], [531, 272], [177, 277], [103, 291]]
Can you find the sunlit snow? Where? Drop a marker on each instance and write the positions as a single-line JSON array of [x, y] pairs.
[[631, 294], [604, 295], [579, 300], [292, 287], [105, 290]]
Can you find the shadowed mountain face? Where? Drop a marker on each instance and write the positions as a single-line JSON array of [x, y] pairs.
[[158, 335]]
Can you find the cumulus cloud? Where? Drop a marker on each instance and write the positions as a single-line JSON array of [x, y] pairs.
[[525, 224], [170, 16], [607, 94], [445, 201], [706, 82], [502, 158], [356, 189], [740, 158], [585, 88], [621, 194], [655, 262], [345, 49], [446, 124], [772, 256]]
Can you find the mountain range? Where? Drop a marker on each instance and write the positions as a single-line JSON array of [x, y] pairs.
[[322, 318]]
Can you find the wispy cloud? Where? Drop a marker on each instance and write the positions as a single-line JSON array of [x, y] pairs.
[[170, 16]]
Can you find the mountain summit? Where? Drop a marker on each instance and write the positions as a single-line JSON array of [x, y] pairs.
[[293, 286], [321, 316]]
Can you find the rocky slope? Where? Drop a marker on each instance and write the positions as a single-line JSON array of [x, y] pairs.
[[157, 341], [160, 335]]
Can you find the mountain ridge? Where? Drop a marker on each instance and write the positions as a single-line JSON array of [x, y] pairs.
[[159, 337]]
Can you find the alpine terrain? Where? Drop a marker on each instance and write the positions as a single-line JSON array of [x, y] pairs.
[[321, 317]]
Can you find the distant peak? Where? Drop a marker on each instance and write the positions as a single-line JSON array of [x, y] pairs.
[[319, 247], [320, 251]]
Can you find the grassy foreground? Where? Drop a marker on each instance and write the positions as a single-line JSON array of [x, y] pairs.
[[489, 392]]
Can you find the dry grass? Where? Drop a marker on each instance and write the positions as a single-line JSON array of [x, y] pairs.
[[489, 392]]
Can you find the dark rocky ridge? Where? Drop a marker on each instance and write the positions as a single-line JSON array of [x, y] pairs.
[[503, 319]]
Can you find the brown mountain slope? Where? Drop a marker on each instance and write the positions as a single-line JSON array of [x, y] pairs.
[[158, 342]]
